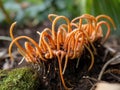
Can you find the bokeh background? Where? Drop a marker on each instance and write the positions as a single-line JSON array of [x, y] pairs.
[[34, 12], [32, 16]]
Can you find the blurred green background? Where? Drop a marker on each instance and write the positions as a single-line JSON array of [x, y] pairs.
[[34, 12]]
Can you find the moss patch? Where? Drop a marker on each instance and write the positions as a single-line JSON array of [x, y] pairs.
[[19, 79]]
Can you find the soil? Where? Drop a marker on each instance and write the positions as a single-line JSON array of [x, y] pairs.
[[77, 78]]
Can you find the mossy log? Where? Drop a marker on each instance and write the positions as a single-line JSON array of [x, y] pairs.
[[19, 79]]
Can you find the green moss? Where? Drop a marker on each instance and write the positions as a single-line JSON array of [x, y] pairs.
[[18, 79]]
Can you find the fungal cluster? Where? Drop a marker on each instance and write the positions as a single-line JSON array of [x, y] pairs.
[[66, 42]]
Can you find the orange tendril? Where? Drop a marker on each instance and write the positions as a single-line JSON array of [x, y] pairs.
[[65, 42]]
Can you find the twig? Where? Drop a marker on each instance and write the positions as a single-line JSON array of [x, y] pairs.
[[106, 53], [111, 49], [117, 71], [87, 77], [5, 38], [21, 61], [106, 64], [118, 78]]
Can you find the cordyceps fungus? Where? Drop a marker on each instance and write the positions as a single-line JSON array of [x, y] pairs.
[[65, 43]]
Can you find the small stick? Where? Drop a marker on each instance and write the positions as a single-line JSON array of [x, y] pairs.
[[5, 38], [118, 78], [106, 53], [93, 79], [111, 49], [106, 64], [21, 61]]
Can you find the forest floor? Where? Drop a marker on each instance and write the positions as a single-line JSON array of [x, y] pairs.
[[80, 78]]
